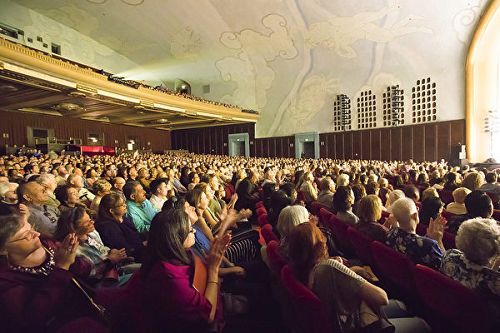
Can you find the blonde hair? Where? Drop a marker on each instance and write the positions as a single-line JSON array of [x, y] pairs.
[[429, 192], [370, 208], [460, 193], [473, 180]]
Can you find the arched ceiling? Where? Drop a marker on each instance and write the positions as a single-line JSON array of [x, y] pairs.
[[285, 58]]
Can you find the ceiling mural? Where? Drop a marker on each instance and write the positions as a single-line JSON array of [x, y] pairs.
[[287, 59]]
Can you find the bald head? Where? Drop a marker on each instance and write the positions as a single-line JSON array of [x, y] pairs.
[[406, 213]]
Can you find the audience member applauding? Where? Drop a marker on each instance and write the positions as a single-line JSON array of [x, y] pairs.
[[172, 298], [426, 250]]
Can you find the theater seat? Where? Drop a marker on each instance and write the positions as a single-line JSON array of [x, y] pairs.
[[341, 238], [316, 207], [261, 210], [361, 244], [308, 313], [276, 261], [268, 234], [324, 215], [396, 269], [455, 306], [262, 220]]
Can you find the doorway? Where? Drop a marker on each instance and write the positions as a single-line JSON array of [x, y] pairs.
[[239, 144], [307, 145]]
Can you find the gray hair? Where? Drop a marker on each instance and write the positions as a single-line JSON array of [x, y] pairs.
[[45, 178], [479, 239], [343, 180], [290, 217], [6, 187], [402, 209]]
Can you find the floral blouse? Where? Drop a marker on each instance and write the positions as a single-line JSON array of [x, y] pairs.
[[420, 249], [474, 276]]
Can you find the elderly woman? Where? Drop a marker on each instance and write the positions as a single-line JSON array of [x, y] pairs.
[[68, 197], [288, 219], [172, 296], [37, 293], [308, 187], [392, 197], [475, 261], [457, 207], [343, 199]]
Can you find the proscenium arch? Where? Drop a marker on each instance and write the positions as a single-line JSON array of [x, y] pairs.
[[473, 121]]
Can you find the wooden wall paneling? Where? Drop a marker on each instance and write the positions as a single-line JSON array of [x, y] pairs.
[[396, 144], [430, 142], [279, 146], [357, 142], [457, 132], [418, 143], [348, 153], [272, 147], [407, 142], [323, 145], [339, 146], [375, 152], [225, 133], [443, 140]]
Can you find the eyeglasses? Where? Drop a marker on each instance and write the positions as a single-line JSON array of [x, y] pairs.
[[28, 235]]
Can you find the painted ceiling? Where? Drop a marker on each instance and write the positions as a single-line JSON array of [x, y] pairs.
[[287, 59]]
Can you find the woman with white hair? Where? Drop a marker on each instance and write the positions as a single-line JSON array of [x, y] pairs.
[[289, 218], [476, 260]]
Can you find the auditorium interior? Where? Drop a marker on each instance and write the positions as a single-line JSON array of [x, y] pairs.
[[263, 166]]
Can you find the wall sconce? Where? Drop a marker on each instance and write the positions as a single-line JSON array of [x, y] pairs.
[[116, 142], [225, 144], [5, 135], [251, 142], [149, 143], [322, 143], [291, 145]]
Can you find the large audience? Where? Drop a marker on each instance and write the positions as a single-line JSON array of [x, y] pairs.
[[172, 242]]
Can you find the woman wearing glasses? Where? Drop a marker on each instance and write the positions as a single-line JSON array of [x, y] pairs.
[[37, 293]]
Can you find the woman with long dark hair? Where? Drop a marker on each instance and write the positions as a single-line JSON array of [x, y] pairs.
[[174, 300]]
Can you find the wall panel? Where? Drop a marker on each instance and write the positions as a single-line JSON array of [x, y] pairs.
[[418, 142], [15, 124]]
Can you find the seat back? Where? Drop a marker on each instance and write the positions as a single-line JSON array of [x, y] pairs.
[[496, 214], [449, 240], [396, 268], [361, 244], [259, 204], [340, 236], [451, 302], [262, 220], [446, 196], [276, 260], [324, 215], [308, 312], [268, 234], [316, 207], [261, 210]]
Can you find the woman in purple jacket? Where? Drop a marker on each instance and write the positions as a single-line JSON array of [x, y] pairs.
[[172, 299], [37, 292]]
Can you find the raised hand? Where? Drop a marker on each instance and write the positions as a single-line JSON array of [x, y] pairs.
[[66, 252], [231, 218], [216, 252]]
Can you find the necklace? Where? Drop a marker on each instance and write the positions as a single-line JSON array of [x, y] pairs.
[[44, 269]]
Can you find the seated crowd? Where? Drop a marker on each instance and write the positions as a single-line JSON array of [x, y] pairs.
[[172, 243]]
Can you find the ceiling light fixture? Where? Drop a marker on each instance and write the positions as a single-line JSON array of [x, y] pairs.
[[168, 107], [37, 75], [209, 115], [118, 96]]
